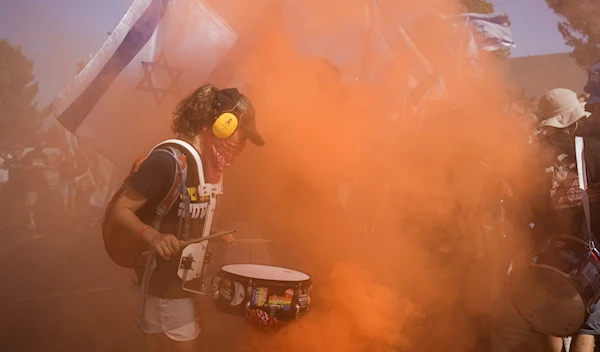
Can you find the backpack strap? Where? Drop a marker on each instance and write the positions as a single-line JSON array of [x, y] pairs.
[[181, 189], [203, 189], [177, 187]]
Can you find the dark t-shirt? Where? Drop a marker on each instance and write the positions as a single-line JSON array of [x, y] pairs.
[[16, 174], [589, 127], [153, 181], [68, 169], [34, 163], [556, 202]]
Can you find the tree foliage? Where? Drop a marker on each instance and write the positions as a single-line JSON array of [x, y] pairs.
[[19, 116], [478, 6], [580, 26]]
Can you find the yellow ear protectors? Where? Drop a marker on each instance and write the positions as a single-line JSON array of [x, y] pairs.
[[227, 122], [225, 125]]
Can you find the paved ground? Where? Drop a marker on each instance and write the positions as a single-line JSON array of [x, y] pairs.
[[60, 292]]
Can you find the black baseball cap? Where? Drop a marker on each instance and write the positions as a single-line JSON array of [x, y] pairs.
[[231, 100]]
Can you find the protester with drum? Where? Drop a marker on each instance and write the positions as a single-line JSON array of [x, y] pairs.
[[557, 292], [168, 198]]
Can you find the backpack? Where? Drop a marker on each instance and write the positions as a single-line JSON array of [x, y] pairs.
[[124, 250]]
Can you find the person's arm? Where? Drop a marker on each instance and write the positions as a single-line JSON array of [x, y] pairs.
[[156, 172]]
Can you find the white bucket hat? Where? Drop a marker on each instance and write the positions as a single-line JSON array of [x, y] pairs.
[[560, 108]]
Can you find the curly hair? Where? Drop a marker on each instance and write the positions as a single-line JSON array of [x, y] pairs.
[[196, 111]]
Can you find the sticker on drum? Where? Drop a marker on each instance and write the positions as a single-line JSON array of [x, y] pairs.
[[304, 300], [238, 295], [590, 272], [225, 290], [260, 296], [280, 302], [215, 285]]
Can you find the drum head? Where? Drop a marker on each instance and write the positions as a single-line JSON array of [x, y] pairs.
[[548, 301], [265, 272]]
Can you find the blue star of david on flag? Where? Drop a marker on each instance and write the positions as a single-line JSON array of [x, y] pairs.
[[149, 82]]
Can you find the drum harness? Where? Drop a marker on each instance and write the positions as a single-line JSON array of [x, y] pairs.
[[205, 190]]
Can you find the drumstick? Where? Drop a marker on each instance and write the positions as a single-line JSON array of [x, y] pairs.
[[183, 244]]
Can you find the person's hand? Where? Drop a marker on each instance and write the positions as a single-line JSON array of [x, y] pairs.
[[164, 245], [227, 240]]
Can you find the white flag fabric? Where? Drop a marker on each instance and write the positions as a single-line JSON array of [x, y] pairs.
[[388, 41], [124, 98], [466, 53]]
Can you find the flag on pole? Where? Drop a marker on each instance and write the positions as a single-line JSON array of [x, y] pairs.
[[389, 38], [466, 54], [491, 31], [386, 36], [122, 102]]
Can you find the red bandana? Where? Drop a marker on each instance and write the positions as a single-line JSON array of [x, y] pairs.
[[219, 153]]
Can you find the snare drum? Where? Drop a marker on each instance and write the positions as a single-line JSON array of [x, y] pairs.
[[283, 293], [554, 293]]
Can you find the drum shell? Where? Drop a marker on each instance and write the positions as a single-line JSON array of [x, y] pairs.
[[574, 258], [572, 261], [284, 300]]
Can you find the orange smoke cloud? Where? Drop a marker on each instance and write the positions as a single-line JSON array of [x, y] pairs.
[[397, 261], [352, 313]]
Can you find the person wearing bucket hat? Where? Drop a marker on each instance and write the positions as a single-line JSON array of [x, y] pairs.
[[560, 108], [555, 201], [211, 126]]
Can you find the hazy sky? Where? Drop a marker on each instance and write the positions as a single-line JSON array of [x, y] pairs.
[[59, 33], [534, 27]]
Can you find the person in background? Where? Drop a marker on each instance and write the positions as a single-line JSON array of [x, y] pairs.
[[591, 126], [593, 90], [553, 167], [15, 190], [555, 210], [14, 163], [99, 192], [68, 169], [3, 181], [34, 163], [85, 182]]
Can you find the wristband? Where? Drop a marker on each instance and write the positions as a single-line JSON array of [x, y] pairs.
[[142, 230]]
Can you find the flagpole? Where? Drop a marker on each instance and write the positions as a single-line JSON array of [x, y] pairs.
[[367, 43], [462, 46]]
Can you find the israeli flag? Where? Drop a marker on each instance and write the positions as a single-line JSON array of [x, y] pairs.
[[491, 31], [389, 42], [122, 102]]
